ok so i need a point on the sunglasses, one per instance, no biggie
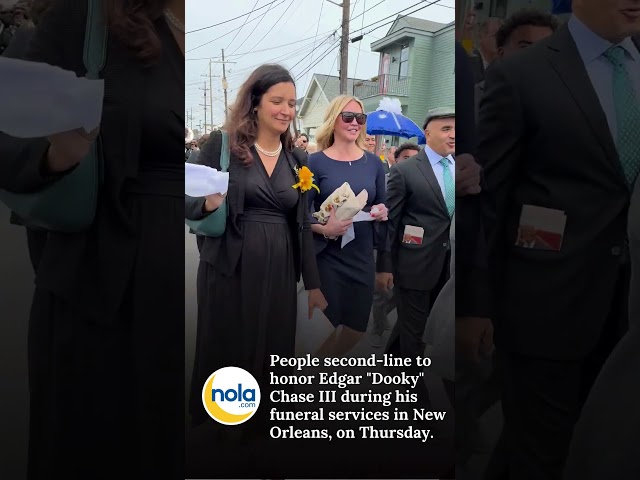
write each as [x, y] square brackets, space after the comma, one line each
[347, 117]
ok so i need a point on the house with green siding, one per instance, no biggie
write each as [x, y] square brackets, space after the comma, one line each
[416, 67]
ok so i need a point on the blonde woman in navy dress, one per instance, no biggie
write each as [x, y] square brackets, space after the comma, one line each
[347, 274]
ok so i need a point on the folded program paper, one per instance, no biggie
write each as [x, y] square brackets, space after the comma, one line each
[359, 217]
[45, 100]
[200, 180]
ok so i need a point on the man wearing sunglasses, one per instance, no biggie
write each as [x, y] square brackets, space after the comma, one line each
[421, 202]
[303, 141]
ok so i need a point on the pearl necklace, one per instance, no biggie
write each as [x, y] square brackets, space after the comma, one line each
[275, 153]
[174, 21]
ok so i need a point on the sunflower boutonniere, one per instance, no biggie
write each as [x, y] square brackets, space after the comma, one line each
[304, 176]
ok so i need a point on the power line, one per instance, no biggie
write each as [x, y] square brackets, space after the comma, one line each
[275, 47]
[325, 53]
[272, 27]
[287, 56]
[231, 31]
[230, 20]
[245, 22]
[317, 28]
[263, 17]
[325, 80]
[399, 16]
[364, 10]
[371, 8]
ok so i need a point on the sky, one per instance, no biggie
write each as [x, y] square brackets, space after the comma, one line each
[284, 32]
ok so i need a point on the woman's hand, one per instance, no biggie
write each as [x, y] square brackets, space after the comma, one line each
[335, 227]
[68, 149]
[213, 202]
[381, 212]
[316, 300]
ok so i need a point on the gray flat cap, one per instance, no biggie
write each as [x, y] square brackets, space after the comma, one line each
[440, 112]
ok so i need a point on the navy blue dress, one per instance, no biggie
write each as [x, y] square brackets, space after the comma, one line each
[347, 274]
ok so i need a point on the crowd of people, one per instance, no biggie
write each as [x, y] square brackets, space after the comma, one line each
[546, 109]
[274, 238]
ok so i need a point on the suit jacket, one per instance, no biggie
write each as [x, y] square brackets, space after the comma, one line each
[70, 263]
[478, 94]
[472, 296]
[414, 198]
[223, 252]
[547, 143]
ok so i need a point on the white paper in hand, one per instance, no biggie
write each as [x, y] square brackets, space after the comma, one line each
[45, 100]
[359, 217]
[200, 180]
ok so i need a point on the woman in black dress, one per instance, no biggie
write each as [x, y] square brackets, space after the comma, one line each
[247, 295]
[106, 331]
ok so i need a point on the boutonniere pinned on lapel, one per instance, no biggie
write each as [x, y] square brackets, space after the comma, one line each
[304, 176]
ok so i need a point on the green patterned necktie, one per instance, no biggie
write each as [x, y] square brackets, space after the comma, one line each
[627, 114]
[449, 187]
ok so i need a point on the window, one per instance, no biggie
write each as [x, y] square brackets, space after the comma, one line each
[404, 62]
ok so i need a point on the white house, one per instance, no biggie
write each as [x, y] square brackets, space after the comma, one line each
[313, 106]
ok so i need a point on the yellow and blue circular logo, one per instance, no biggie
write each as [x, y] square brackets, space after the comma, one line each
[231, 396]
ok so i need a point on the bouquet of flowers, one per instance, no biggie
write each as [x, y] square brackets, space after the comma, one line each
[344, 203]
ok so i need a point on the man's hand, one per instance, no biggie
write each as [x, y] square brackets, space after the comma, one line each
[474, 337]
[467, 175]
[384, 282]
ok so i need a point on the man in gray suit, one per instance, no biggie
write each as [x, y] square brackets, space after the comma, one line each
[558, 135]
[421, 201]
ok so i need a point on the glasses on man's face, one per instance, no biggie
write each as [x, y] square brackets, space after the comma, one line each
[347, 117]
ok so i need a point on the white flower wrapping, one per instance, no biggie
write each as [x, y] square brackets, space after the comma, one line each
[346, 204]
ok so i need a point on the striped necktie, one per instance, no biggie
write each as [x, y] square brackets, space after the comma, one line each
[627, 107]
[449, 187]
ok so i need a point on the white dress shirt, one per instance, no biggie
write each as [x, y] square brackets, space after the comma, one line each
[438, 169]
[591, 48]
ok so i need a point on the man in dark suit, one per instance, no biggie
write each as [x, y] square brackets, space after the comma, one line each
[421, 201]
[555, 135]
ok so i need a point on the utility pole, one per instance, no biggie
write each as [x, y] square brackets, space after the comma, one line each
[344, 44]
[211, 91]
[224, 84]
[224, 87]
[205, 108]
[344, 47]
[191, 118]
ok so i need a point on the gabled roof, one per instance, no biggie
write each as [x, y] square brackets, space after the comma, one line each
[330, 87]
[417, 23]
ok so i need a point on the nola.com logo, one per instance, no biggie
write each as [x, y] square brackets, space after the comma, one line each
[231, 396]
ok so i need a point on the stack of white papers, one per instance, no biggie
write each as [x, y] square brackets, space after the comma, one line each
[39, 100]
[201, 181]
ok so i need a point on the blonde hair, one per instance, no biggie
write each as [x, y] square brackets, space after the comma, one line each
[312, 148]
[324, 135]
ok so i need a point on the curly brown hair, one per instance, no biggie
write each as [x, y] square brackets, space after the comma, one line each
[242, 124]
[132, 21]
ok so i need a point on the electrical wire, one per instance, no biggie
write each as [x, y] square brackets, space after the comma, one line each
[231, 31]
[230, 20]
[245, 22]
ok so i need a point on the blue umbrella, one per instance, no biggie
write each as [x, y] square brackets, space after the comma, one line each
[382, 122]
